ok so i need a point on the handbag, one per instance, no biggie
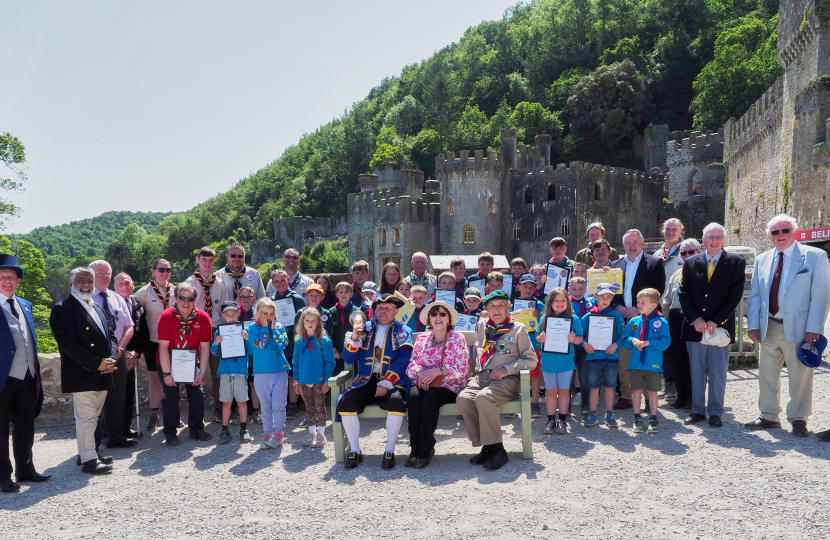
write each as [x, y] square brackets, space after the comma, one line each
[439, 380]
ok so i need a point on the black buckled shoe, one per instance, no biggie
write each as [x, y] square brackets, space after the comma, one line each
[762, 423]
[353, 459]
[482, 457]
[388, 461]
[498, 460]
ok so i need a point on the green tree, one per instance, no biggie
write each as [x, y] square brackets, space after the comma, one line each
[532, 119]
[32, 262]
[12, 155]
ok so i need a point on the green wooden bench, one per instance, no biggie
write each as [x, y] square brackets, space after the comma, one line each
[520, 406]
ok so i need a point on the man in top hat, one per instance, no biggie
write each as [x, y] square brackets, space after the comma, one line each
[788, 299]
[21, 395]
[381, 352]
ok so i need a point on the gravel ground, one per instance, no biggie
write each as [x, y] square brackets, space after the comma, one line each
[686, 482]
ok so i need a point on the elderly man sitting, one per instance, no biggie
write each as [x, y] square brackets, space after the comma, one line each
[503, 348]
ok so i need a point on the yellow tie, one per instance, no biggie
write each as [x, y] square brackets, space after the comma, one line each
[711, 268]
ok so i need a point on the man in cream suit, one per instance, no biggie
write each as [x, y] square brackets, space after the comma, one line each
[788, 301]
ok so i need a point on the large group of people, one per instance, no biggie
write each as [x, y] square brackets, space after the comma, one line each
[670, 324]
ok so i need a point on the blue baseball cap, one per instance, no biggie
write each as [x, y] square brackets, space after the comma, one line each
[810, 353]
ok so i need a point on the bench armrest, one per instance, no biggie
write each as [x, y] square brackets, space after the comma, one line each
[342, 377]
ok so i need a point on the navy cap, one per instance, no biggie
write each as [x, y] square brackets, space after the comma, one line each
[810, 353]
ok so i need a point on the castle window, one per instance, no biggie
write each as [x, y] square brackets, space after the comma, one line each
[371, 244]
[448, 206]
[565, 227]
[539, 256]
[491, 205]
[528, 195]
[697, 183]
[551, 192]
[516, 229]
[597, 192]
[371, 267]
[537, 229]
[396, 236]
[468, 234]
[381, 237]
[358, 244]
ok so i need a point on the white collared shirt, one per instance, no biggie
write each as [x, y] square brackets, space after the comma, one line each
[630, 272]
[788, 255]
[92, 313]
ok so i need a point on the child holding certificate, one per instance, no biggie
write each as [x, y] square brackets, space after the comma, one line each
[603, 355]
[649, 334]
[558, 366]
[527, 288]
[313, 365]
[581, 305]
[446, 282]
[267, 340]
[418, 296]
[233, 378]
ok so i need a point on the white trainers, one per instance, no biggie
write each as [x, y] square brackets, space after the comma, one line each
[318, 441]
[309, 441]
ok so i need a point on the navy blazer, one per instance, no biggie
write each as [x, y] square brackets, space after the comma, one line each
[650, 274]
[7, 349]
[82, 346]
[712, 300]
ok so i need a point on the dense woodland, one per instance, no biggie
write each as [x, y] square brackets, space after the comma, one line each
[591, 73]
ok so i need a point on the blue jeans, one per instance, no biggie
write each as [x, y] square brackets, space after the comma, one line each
[602, 373]
[170, 406]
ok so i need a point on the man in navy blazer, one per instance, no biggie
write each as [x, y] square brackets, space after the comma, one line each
[88, 351]
[640, 271]
[788, 300]
[711, 287]
[21, 394]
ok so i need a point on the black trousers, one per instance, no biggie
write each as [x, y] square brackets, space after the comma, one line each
[113, 412]
[423, 417]
[129, 399]
[18, 401]
[676, 359]
[354, 401]
[170, 407]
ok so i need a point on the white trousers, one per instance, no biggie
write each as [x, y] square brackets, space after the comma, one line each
[87, 406]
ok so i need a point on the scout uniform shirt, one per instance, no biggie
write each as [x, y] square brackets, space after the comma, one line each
[513, 350]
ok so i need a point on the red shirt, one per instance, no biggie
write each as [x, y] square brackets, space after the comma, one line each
[169, 330]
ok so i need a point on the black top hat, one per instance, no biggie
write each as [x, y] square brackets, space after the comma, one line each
[9, 262]
[388, 299]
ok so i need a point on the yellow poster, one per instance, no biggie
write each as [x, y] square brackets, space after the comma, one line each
[614, 277]
[527, 318]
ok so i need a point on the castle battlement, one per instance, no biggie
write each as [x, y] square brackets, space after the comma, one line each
[593, 168]
[762, 117]
[707, 147]
[798, 26]
[448, 163]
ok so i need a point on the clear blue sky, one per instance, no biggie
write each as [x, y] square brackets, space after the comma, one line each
[157, 106]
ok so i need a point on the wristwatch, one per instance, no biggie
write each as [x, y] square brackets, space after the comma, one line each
[165, 373]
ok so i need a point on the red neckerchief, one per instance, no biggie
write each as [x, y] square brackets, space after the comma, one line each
[343, 314]
[582, 304]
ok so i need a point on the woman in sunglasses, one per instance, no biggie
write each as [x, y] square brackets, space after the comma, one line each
[155, 297]
[438, 371]
[676, 357]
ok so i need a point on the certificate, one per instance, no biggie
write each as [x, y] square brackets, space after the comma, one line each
[508, 283]
[558, 278]
[519, 305]
[466, 323]
[285, 312]
[478, 284]
[557, 330]
[405, 312]
[445, 296]
[232, 346]
[614, 277]
[527, 318]
[183, 365]
[600, 332]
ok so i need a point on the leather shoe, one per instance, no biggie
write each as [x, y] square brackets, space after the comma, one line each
[7, 486]
[33, 477]
[106, 460]
[388, 461]
[353, 459]
[694, 418]
[715, 421]
[677, 404]
[622, 404]
[129, 433]
[762, 423]
[424, 461]
[482, 457]
[800, 428]
[126, 443]
[823, 435]
[498, 460]
[410, 462]
[93, 466]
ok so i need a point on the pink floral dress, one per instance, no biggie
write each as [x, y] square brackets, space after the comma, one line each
[456, 360]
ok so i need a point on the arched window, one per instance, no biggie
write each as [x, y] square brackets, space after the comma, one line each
[551, 192]
[491, 205]
[537, 229]
[597, 192]
[697, 182]
[468, 234]
[309, 235]
[371, 244]
[539, 256]
[448, 206]
[396, 236]
[358, 244]
[528, 195]
[516, 229]
[381, 237]
[565, 227]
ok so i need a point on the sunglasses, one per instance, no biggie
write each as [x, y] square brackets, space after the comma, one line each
[440, 314]
[782, 231]
[164, 270]
[189, 299]
[295, 257]
[690, 252]
[235, 256]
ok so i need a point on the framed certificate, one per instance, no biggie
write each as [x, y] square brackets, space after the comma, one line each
[557, 278]
[597, 276]
[285, 312]
[600, 332]
[466, 323]
[557, 330]
[478, 284]
[527, 318]
[232, 346]
[508, 283]
[445, 296]
[183, 365]
[519, 305]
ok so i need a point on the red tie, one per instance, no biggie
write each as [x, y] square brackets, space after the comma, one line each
[776, 284]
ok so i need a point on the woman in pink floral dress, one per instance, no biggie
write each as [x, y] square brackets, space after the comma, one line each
[440, 356]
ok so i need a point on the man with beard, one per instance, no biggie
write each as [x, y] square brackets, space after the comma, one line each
[236, 275]
[88, 350]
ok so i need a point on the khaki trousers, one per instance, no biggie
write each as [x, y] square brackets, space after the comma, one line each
[775, 351]
[479, 404]
[87, 407]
